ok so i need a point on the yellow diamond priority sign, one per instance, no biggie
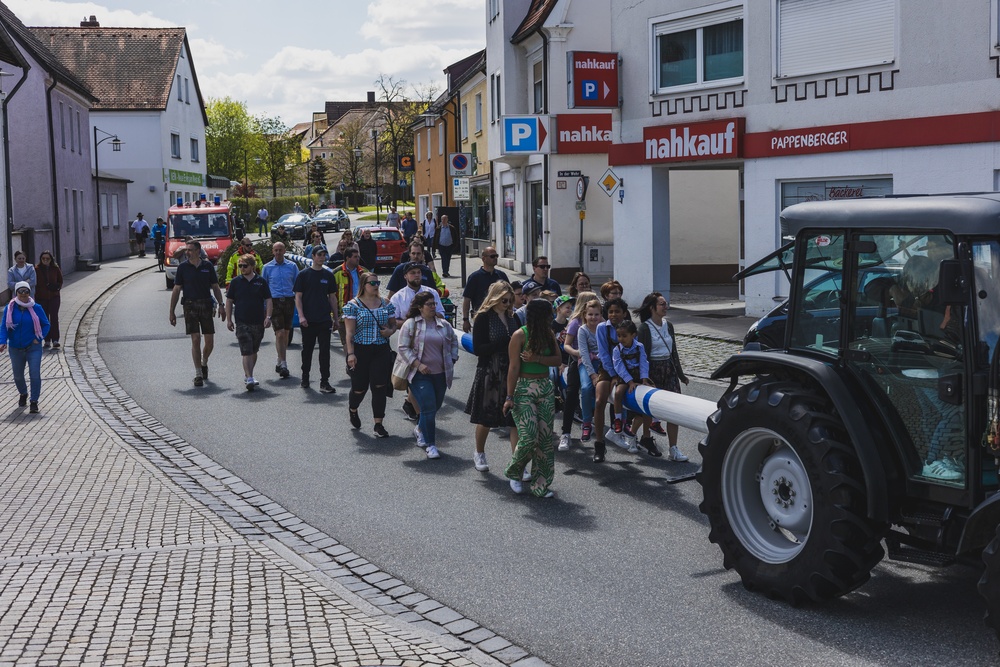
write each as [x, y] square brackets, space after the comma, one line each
[609, 182]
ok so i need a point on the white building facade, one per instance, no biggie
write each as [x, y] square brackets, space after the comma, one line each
[793, 100]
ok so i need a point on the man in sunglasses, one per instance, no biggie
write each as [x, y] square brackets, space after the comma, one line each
[198, 280]
[316, 301]
[478, 284]
[540, 276]
[250, 298]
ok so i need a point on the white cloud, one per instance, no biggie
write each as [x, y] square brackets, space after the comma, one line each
[61, 13]
[422, 23]
[213, 52]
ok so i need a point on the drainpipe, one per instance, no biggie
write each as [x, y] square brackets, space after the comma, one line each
[6, 160]
[547, 233]
[52, 169]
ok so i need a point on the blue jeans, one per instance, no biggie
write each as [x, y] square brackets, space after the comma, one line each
[31, 355]
[588, 395]
[429, 392]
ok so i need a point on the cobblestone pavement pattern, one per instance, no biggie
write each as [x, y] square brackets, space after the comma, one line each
[120, 544]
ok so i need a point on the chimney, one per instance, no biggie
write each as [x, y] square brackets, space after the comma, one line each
[92, 23]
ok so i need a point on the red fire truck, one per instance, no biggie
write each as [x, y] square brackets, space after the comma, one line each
[210, 223]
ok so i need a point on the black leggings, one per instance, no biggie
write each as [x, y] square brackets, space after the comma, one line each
[572, 396]
[371, 370]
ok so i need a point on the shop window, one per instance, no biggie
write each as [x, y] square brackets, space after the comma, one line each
[703, 50]
[796, 192]
[816, 36]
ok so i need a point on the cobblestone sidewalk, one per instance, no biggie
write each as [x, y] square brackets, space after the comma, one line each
[120, 544]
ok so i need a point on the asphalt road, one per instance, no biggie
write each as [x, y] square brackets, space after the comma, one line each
[616, 570]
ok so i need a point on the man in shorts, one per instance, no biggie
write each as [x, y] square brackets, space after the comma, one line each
[280, 274]
[250, 298]
[198, 280]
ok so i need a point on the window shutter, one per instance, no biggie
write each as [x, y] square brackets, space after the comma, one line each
[821, 36]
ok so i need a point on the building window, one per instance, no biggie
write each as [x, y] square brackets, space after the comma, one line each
[537, 96]
[441, 138]
[194, 151]
[62, 124]
[815, 36]
[104, 210]
[180, 90]
[697, 51]
[418, 147]
[465, 122]
[428, 143]
[495, 105]
[115, 219]
[175, 145]
[187, 95]
[79, 136]
[72, 139]
[494, 9]
[479, 113]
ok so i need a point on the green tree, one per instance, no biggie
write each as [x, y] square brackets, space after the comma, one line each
[230, 129]
[319, 174]
[278, 150]
[347, 168]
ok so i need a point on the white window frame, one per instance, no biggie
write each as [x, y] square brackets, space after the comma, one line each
[428, 144]
[465, 121]
[195, 153]
[494, 9]
[838, 62]
[175, 145]
[994, 27]
[702, 17]
[479, 112]
[536, 90]
[418, 146]
[441, 138]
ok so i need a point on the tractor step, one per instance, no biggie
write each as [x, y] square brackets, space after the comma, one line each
[907, 554]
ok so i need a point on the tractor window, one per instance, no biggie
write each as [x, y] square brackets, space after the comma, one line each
[908, 345]
[815, 315]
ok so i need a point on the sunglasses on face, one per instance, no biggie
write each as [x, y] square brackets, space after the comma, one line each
[543, 266]
[245, 266]
[24, 291]
[375, 283]
[493, 256]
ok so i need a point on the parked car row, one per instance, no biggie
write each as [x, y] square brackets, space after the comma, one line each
[326, 220]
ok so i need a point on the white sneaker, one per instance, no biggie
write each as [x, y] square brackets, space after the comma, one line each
[630, 444]
[526, 475]
[419, 436]
[676, 454]
[564, 442]
[432, 452]
[516, 487]
[479, 459]
[618, 439]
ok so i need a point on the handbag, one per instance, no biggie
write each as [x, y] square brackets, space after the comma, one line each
[400, 371]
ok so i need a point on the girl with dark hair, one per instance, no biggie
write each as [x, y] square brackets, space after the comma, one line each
[428, 350]
[47, 294]
[531, 397]
[657, 336]
[579, 388]
[493, 326]
[369, 322]
[579, 284]
[607, 337]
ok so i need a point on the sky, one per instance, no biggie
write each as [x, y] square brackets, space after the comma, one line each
[287, 57]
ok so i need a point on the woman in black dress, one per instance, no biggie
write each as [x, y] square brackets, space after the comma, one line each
[491, 332]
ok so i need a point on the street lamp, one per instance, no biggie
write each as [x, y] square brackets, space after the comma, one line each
[246, 191]
[116, 147]
[378, 200]
[357, 174]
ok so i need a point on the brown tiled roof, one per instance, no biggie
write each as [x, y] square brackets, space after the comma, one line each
[533, 20]
[336, 110]
[40, 52]
[459, 72]
[127, 68]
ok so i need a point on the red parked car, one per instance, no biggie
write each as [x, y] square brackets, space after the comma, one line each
[389, 244]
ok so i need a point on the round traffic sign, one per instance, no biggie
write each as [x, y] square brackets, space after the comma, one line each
[459, 162]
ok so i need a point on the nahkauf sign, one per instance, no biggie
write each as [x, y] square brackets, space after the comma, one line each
[593, 79]
[581, 133]
[710, 140]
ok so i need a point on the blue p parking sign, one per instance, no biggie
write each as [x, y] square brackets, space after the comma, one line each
[525, 134]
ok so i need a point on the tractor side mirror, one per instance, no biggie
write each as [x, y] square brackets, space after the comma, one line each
[952, 286]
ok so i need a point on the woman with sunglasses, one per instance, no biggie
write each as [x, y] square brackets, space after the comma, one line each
[22, 329]
[494, 325]
[369, 322]
[50, 282]
[245, 248]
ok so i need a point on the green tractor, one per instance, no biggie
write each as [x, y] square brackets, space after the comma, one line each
[877, 421]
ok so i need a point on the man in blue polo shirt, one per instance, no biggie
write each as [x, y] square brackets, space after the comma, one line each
[280, 274]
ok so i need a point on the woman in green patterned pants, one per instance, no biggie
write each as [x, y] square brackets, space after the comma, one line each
[533, 349]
